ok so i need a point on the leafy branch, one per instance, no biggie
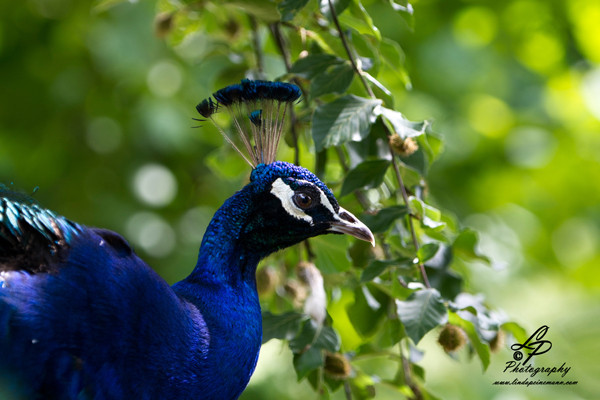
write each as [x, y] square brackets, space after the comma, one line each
[408, 286]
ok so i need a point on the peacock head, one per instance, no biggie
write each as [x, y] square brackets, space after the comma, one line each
[292, 204]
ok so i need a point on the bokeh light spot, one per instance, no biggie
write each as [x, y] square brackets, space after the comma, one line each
[475, 27]
[155, 185]
[530, 147]
[151, 233]
[541, 51]
[103, 135]
[584, 15]
[590, 89]
[489, 116]
[164, 78]
[575, 242]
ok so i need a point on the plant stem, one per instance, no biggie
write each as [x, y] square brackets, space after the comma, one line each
[357, 69]
[287, 59]
[260, 64]
[407, 371]
[410, 216]
[394, 162]
[347, 390]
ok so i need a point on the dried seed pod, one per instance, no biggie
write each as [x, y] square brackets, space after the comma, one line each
[337, 366]
[452, 338]
[266, 280]
[163, 24]
[403, 147]
[497, 342]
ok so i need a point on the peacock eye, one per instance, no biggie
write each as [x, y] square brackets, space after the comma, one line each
[303, 200]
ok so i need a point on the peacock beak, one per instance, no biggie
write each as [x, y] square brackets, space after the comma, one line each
[347, 223]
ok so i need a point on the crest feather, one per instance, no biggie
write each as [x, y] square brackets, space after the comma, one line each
[258, 109]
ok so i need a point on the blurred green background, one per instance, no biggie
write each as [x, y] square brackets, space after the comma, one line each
[96, 110]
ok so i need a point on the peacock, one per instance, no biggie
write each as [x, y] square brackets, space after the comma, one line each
[83, 317]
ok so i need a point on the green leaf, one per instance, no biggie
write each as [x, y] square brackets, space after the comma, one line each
[378, 267]
[305, 362]
[465, 246]
[314, 64]
[380, 90]
[103, 5]
[481, 348]
[429, 216]
[368, 310]
[367, 174]
[289, 8]
[328, 340]
[374, 269]
[330, 251]
[421, 312]
[359, 19]
[401, 125]
[427, 251]
[361, 253]
[516, 330]
[313, 335]
[335, 79]
[283, 326]
[391, 53]
[338, 5]
[345, 119]
[383, 219]
[405, 9]
[305, 338]
[263, 10]
[441, 276]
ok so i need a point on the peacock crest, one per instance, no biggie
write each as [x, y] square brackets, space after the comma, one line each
[258, 109]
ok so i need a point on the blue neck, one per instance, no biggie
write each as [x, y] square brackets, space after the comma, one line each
[222, 287]
[223, 258]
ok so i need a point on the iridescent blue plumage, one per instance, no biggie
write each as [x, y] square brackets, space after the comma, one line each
[83, 317]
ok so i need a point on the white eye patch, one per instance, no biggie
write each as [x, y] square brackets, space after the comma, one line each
[285, 193]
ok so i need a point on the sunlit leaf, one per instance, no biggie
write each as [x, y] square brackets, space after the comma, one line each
[421, 312]
[345, 119]
[359, 19]
[481, 348]
[366, 175]
[430, 216]
[516, 330]
[405, 9]
[391, 52]
[427, 251]
[401, 125]
[465, 246]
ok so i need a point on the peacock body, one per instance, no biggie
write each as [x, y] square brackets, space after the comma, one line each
[83, 317]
